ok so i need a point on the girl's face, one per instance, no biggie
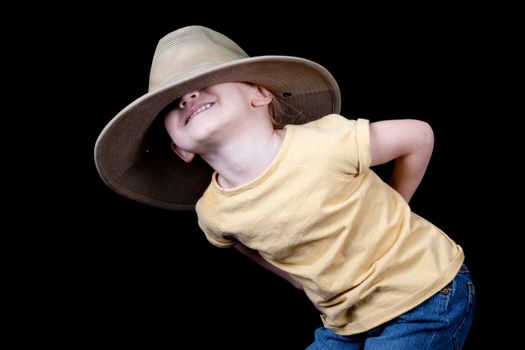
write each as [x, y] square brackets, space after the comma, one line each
[202, 118]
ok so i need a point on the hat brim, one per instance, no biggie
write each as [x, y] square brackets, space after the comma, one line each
[132, 153]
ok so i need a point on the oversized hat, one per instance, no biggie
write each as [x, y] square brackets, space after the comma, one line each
[132, 153]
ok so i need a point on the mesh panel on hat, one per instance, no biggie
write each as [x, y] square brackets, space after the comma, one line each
[198, 36]
[188, 49]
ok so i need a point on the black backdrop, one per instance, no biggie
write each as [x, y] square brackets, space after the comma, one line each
[118, 273]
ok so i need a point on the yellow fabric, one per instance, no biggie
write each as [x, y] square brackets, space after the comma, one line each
[319, 213]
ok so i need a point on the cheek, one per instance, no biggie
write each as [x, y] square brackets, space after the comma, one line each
[171, 124]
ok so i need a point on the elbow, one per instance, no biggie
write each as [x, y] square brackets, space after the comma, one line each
[426, 136]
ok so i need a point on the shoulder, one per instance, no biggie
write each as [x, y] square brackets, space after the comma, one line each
[335, 121]
[330, 120]
[334, 124]
[334, 139]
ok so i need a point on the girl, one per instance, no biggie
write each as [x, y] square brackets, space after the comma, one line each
[286, 180]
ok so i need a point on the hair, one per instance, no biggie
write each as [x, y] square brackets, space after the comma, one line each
[277, 112]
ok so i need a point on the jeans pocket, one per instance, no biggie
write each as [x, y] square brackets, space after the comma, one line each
[434, 309]
[444, 295]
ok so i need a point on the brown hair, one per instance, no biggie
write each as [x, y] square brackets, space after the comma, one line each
[277, 112]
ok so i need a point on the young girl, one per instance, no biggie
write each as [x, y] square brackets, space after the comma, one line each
[287, 181]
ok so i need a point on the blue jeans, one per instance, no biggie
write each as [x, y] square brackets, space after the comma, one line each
[442, 322]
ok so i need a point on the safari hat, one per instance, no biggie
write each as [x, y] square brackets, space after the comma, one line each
[132, 153]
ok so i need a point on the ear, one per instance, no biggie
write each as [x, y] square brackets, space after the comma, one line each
[262, 97]
[184, 155]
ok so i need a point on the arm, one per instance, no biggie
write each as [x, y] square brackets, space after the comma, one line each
[408, 142]
[254, 255]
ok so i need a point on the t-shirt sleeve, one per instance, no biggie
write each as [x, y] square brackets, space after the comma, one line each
[362, 145]
[216, 239]
[208, 218]
[333, 144]
[346, 144]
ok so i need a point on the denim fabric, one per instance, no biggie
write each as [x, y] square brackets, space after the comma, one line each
[442, 322]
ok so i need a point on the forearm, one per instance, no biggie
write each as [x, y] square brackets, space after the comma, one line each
[409, 143]
[409, 171]
[278, 272]
[255, 256]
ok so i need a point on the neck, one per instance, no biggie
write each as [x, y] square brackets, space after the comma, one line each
[242, 158]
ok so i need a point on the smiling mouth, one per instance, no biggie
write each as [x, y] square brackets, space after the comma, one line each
[198, 111]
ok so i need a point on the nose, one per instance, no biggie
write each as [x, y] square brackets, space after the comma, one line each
[187, 97]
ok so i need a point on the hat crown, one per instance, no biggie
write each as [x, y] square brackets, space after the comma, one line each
[189, 50]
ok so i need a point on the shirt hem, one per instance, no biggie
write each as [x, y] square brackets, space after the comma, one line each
[403, 307]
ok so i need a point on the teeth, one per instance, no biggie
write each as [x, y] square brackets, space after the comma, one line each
[203, 108]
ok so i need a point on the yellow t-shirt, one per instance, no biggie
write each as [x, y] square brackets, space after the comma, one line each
[319, 213]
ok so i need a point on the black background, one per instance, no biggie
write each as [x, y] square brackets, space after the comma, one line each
[112, 272]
